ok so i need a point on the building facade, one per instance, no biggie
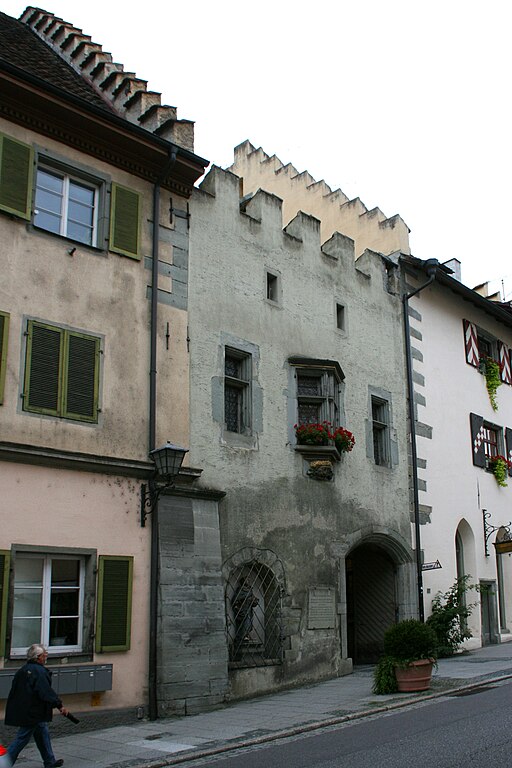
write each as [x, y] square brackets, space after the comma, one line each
[288, 329]
[93, 376]
[456, 334]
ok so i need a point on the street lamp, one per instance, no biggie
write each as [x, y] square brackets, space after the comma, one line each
[168, 460]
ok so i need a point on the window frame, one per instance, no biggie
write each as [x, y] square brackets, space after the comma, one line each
[243, 386]
[273, 287]
[4, 339]
[69, 175]
[61, 410]
[46, 586]
[330, 377]
[380, 431]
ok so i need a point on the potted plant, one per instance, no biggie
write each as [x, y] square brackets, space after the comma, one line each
[344, 440]
[410, 647]
[313, 434]
[499, 466]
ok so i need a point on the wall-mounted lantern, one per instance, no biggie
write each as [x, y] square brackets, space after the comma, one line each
[168, 460]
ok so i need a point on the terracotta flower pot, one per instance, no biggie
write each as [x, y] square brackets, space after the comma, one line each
[415, 677]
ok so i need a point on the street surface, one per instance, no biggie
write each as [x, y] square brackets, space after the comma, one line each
[469, 730]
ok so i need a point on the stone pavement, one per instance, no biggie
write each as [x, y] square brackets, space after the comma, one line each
[176, 740]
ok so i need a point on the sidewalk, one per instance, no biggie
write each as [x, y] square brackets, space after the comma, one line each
[174, 740]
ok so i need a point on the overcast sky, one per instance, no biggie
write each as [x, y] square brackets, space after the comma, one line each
[401, 103]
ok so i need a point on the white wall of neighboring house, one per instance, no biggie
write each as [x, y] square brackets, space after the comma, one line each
[456, 491]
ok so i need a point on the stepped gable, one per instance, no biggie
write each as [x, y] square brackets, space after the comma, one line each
[369, 228]
[107, 83]
[20, 48]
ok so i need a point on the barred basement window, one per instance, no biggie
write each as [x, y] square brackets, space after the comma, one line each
[253, 614]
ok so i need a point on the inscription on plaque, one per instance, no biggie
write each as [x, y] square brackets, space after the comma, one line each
[321, 608]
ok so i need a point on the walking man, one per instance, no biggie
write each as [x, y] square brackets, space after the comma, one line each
[30, 704]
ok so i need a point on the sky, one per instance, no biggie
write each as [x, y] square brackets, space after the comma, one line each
[403, 103]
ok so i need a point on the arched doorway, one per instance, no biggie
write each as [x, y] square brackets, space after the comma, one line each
[372, 604]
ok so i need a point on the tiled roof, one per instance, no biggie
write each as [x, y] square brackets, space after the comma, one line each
[20, 47]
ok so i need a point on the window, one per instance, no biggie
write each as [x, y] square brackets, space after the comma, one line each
[48, 602]
[61, 373]
[4, 334]
[318, 391]
[340, 317]
[54, 601]
[488, 440]
[253, 616]
[66, 206]
[273, 287]
[380, 431]
[237, 390]
[68, 202]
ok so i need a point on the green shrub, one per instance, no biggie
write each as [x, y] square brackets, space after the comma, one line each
[384, 678]
[449, 616]
[410, 640]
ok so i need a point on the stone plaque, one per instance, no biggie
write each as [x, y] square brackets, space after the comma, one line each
[321, 608]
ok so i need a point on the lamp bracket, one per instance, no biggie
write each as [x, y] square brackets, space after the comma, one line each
[490, 529]
[149, 499]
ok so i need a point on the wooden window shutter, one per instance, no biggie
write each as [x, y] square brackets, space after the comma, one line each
[4, 335]
[508, 446]
[42, 374]
[81, 376]
[114, 610]
[16, 171]
[504, 359]
[477, 440]
[125, 222]
[471, 343]
[5, 557]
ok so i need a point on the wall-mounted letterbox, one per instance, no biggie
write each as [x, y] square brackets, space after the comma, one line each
[68, 679]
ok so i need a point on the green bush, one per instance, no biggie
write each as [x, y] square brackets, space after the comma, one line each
[384, 678]
[410, 640]
[449, 616]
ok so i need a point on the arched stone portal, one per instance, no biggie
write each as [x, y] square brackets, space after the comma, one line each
[378, 579]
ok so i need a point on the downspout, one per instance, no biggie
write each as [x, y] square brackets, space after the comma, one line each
[154, 567]
[430, 266]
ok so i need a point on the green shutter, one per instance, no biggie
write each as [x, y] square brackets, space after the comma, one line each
[81, 376]
[125, 222]
[114, 610]
[4, 334]
[42, 372]
[16, 170]
[5, 557]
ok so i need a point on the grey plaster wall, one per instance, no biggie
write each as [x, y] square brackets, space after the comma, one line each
[270, 500]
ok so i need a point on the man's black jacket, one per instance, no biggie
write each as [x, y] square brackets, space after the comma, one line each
[32, 697]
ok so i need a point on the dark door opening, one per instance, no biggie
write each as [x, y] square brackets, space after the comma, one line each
[371, 602]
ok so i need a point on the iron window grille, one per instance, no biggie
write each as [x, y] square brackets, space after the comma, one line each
[254, 616]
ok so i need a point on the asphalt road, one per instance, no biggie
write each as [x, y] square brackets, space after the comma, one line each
[464, 731]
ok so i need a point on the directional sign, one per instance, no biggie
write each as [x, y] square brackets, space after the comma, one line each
[431, 566]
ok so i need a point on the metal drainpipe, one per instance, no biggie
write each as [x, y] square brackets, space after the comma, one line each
[153, 588]
[431, 266]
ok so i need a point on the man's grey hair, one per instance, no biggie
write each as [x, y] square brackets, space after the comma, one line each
[34, 651]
